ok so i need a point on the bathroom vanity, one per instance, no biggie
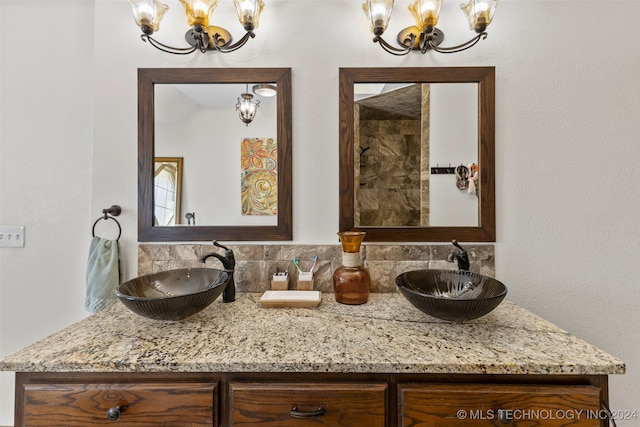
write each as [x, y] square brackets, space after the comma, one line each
[383, 363]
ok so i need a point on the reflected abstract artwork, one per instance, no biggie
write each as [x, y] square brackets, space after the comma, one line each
[259, 177]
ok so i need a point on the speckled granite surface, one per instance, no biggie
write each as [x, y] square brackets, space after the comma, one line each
[386, 335]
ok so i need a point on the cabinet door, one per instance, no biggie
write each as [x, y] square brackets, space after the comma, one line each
[162, 404]
[501, 404]
[307, 404]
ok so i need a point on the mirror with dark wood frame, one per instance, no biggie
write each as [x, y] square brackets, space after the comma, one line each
[148, 79]
[349, 214]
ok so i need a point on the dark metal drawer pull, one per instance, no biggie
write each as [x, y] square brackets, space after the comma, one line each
[113, 413]
[504, 416]
[295, 413]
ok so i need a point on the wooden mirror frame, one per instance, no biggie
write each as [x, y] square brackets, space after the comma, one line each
[485, 78]
[147, 79]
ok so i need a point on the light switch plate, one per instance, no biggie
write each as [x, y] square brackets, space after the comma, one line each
[12, 236]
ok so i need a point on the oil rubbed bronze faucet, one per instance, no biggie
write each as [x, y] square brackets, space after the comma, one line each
[229, 263]
[460, 255]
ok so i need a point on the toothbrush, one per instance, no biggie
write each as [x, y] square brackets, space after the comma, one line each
[315, 259]
[297, 264]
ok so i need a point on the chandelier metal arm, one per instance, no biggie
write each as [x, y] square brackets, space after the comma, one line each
[458, 48]
[168, 49]
[394, 50]
[426, 41]
[235, 46]
[201, 43]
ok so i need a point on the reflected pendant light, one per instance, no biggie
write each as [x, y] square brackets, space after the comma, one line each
[246, 107]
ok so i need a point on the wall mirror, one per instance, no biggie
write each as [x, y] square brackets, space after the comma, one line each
[417, 153]
[235, 180]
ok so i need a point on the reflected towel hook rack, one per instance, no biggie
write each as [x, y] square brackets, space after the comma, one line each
[441, 170]
[109, 213]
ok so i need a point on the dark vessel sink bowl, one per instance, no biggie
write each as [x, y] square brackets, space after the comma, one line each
[452, 295]
[173, 294]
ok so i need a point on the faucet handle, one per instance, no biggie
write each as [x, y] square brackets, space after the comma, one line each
[228, 253]
[457, 245]
[462, 256]
[215, 243]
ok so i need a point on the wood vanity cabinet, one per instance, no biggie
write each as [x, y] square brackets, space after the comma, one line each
[433, 405]
[103, 403]
[308, 404]
[307, 399]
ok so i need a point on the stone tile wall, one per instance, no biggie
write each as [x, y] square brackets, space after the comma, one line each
[256, 264]
[389, 185]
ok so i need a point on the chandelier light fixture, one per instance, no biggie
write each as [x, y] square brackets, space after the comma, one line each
[424, 35]
[246, 107]
[201, 37]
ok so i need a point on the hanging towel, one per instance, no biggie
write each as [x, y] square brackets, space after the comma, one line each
[103, 274]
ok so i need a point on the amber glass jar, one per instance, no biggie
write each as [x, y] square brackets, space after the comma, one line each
[351, 280]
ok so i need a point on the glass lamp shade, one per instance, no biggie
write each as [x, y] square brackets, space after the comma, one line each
[148, 14]
[249, 13]
[379, 14]
[426, 12]
[479, 13]
[199, 11]
[246, 108]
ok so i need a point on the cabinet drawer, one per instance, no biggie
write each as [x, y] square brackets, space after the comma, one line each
[482, 405]
[307, 404]
[158, 404]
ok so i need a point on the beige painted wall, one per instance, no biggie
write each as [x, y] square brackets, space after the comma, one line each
[567, 149]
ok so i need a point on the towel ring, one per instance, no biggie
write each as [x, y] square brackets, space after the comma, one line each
[113, 210]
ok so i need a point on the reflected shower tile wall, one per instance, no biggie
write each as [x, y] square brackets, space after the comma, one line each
[389, 166]
[256, 264]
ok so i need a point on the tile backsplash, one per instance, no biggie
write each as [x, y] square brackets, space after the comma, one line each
[256, 264]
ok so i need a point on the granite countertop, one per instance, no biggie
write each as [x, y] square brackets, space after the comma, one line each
[386, 335]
